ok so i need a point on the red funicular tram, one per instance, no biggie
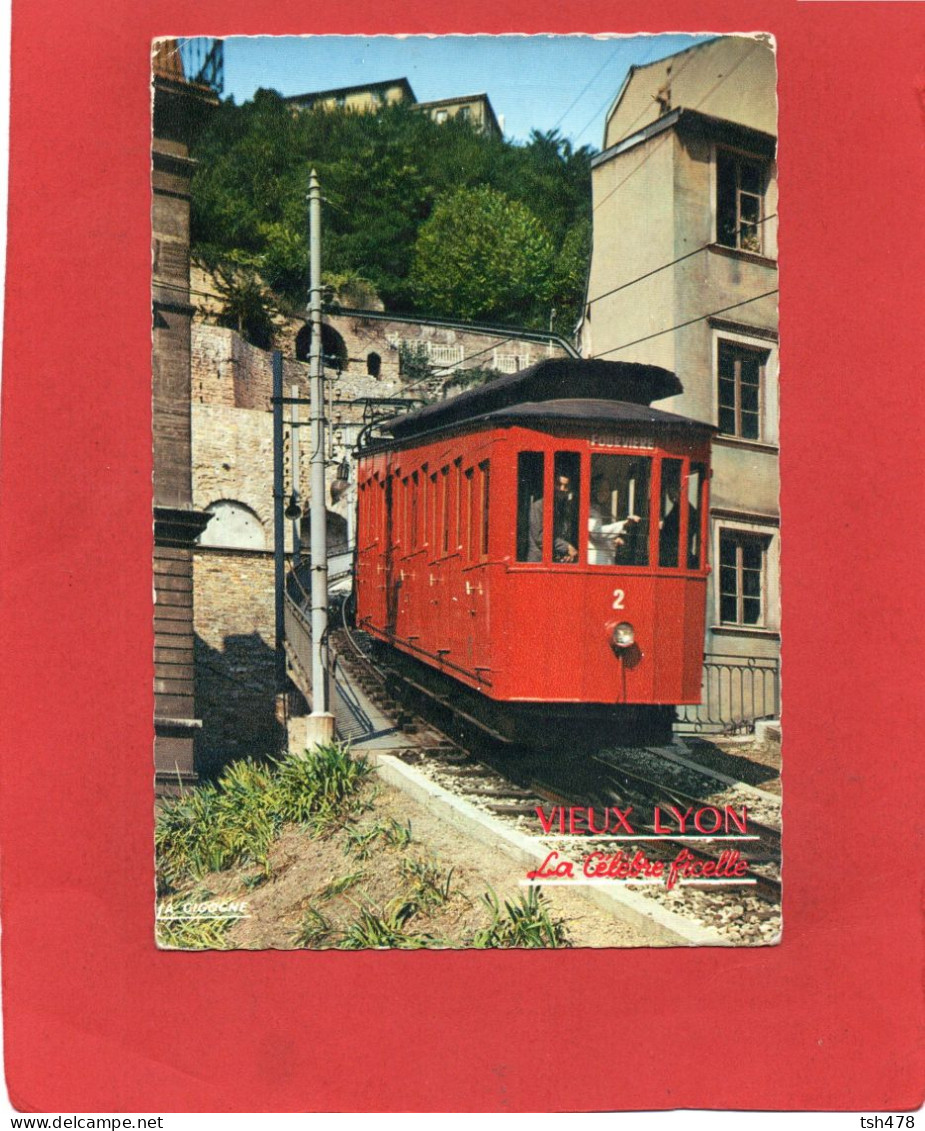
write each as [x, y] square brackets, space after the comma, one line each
[541, 542]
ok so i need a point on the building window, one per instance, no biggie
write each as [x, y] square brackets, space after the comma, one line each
[373, 364]
[740, 186]
[742, 561]
[440, 116]
[465, 113]
[740, 371]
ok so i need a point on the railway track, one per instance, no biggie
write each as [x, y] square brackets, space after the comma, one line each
[512, 784]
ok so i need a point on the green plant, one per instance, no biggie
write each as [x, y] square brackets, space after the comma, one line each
[525, 922]
[340, 885]
[236, 819]
[314, 930]
[414, 362]
[321, 787]
[216, 825]
[385, 928]
[177, 933]
[432, 886]
[362, 840]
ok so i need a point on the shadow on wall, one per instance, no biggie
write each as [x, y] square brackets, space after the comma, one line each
[236, 700]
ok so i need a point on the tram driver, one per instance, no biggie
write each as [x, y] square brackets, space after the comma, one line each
[564, 523]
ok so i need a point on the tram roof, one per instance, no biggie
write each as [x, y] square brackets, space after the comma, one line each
[596, 412]
[565, 380]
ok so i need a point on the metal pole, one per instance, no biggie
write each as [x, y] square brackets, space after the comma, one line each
[279, 527]
[318, 513]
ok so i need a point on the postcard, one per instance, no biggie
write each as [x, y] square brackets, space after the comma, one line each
[530, 370]
[560, 818]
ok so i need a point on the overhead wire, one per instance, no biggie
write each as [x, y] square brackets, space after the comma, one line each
[665, 266]
[689, 322]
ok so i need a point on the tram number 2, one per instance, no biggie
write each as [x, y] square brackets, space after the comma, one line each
[617, 599]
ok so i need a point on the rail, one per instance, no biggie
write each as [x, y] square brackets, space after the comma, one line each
[736, 692]
[352, 721]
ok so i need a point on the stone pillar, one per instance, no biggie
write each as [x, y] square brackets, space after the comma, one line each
[177, 105]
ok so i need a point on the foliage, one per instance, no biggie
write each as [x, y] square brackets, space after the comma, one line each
[431, 886]
[382, 176]
[471, 378]
[482, 256]
[315, 929]
[385, 928]
[193, 934]
[414, 362]
[349, 288]
[248, 305]
[216, 825]
[237, 818]
[321, 787]
[525, 922]
[361, 841]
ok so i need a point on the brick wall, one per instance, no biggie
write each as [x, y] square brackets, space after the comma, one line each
[234, 648]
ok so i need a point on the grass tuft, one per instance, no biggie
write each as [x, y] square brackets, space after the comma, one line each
[236, 819]
[315, 929]
[374, 928]
[431, 886]
[525, 922]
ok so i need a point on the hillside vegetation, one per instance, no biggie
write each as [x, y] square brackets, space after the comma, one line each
[434, 219]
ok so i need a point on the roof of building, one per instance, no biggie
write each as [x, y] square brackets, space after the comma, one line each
[564, 381]
[434, 104]
[698, 79]
[345, 91]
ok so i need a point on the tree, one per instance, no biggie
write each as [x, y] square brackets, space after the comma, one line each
[482, 256]
[383, 175]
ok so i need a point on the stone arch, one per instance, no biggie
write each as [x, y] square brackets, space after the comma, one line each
[233, 526]
[333, 346]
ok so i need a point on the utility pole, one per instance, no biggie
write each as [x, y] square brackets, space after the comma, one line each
[321, 721]
[279, 549]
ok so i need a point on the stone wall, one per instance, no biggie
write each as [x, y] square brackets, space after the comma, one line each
[235, 683]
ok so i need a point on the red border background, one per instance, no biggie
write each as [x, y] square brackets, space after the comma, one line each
[98, 1020]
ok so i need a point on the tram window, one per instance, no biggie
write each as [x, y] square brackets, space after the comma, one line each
[670, 514]
[433, 511]
[458, 495]
[530, 506]
[695, 491]
[423, 498]
[485, 471]
[470, 514]
[413, 541]
[566, 487]
[445, 510]
[618, 515]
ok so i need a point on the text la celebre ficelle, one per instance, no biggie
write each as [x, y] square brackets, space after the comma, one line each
[669, 821]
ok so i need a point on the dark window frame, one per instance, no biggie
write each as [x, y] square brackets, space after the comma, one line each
[734, 416]
[734, 601]
[741, 189]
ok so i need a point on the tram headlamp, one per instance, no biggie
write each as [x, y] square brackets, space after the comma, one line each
[623, 635]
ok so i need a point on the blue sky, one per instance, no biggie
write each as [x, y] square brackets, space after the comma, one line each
[543, 82]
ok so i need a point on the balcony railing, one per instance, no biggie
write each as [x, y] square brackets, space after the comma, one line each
[203, 61]
[736, 692]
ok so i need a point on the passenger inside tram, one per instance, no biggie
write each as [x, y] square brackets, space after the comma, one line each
[604, 531]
